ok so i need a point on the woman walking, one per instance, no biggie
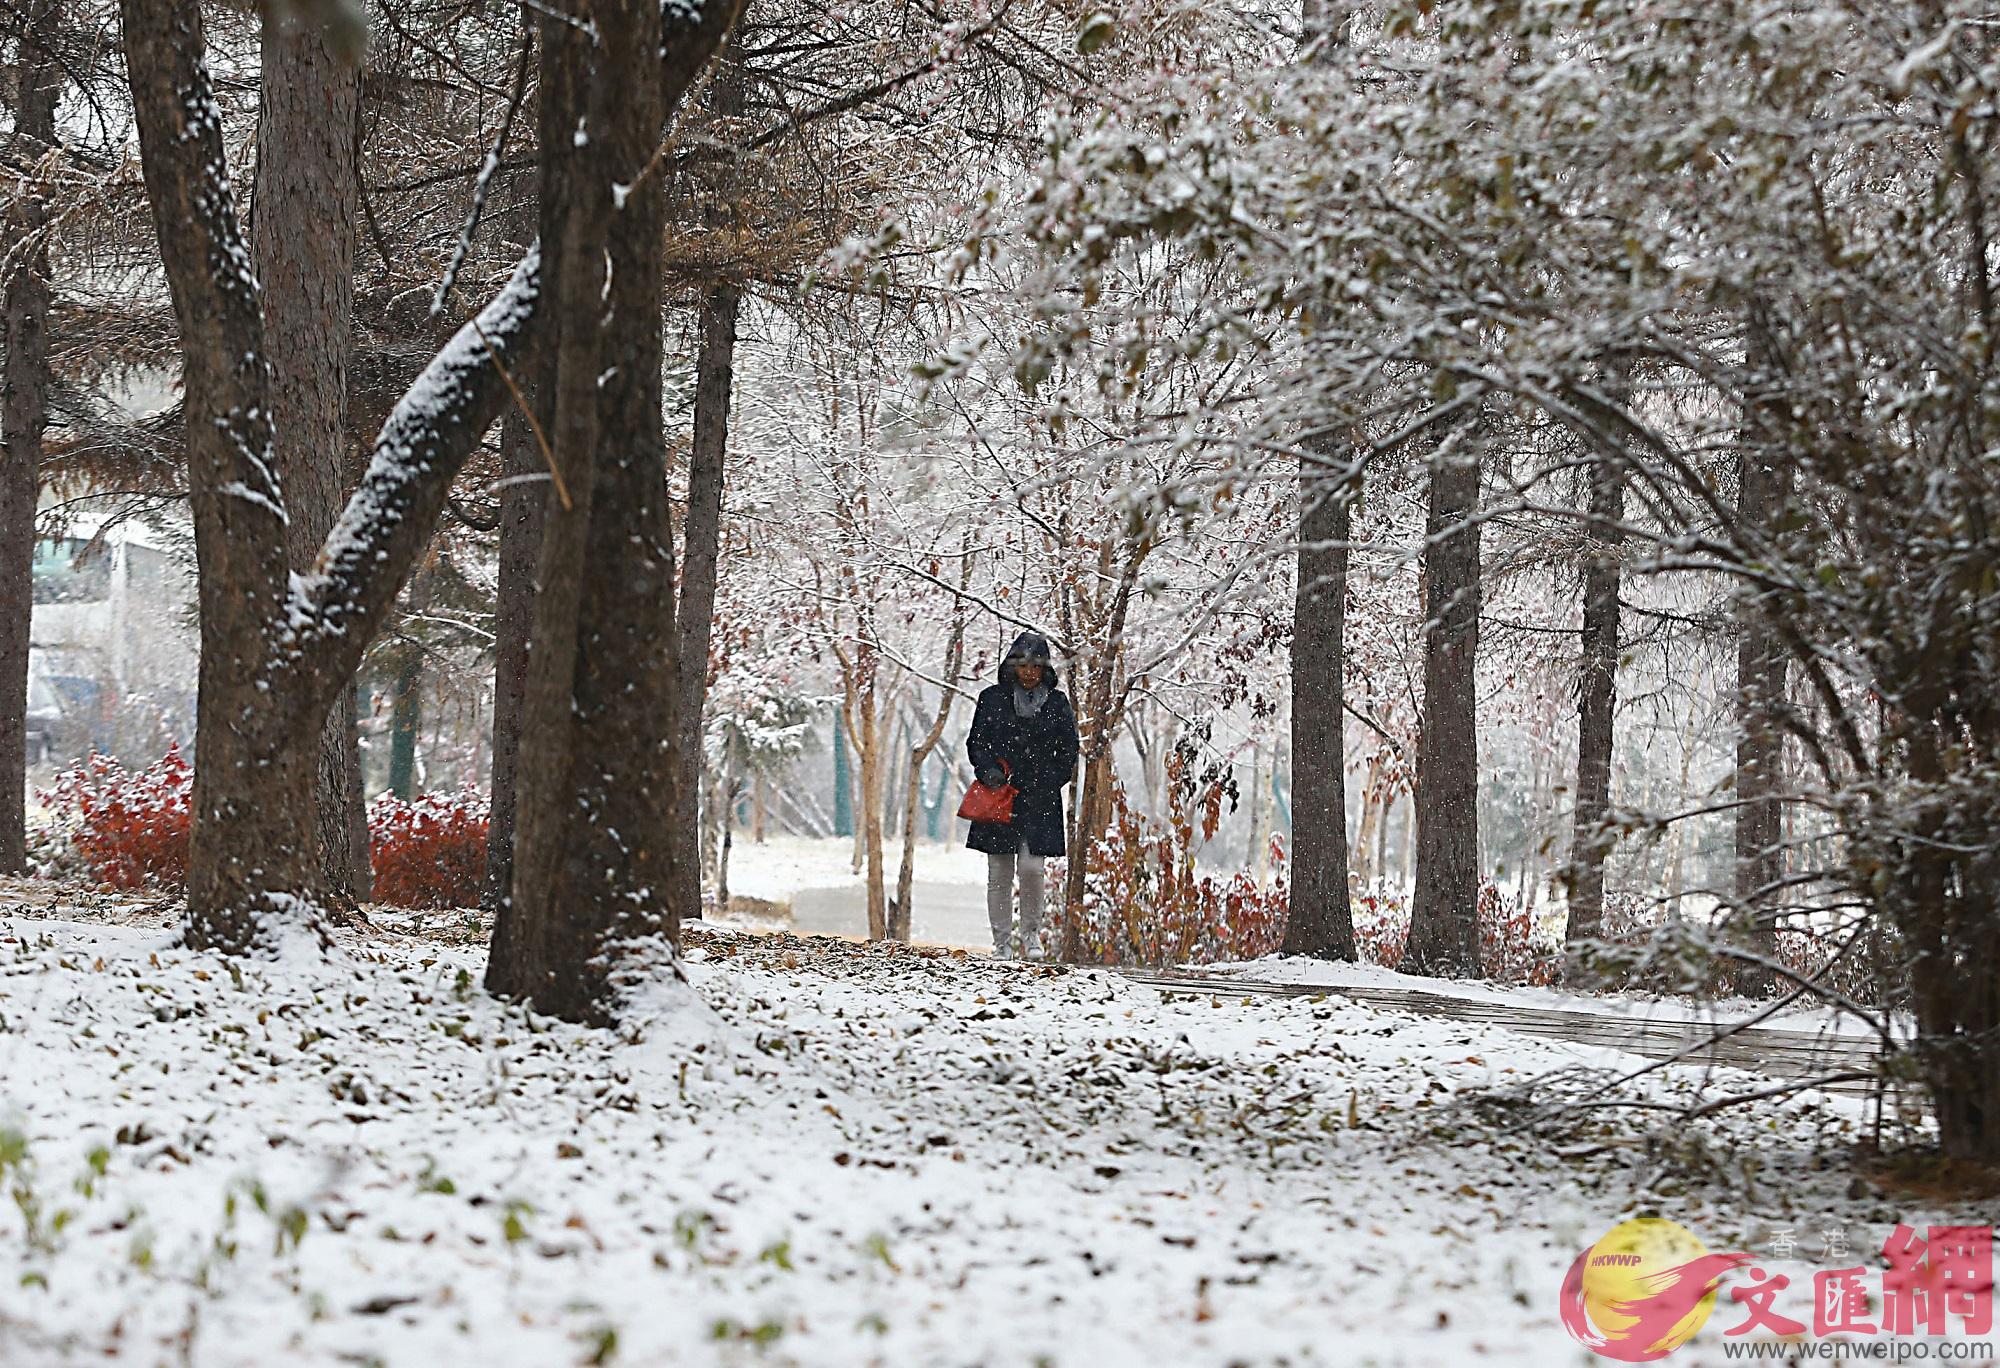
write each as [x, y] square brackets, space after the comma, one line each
[1024, 734]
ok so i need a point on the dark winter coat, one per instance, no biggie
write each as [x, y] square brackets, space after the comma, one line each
[1040, 752]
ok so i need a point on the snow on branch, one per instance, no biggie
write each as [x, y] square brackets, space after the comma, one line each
[691, 32]
[336, 607]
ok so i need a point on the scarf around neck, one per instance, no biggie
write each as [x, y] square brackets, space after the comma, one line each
[1028, 702]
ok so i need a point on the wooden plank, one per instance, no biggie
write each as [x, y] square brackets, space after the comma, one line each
[1773, 1051]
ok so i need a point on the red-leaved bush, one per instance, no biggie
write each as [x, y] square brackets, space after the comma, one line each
[1512, 949]
[1381, 923]
[429, 852]
[1146, 903]
[128, 830]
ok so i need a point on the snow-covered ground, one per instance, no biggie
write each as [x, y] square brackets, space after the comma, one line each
[816, 1153]
[784, 864]
[817, 892]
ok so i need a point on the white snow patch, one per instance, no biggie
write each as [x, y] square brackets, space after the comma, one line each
[842, 1158]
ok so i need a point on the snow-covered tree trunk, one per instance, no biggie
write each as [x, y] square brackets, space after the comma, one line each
[1444, 925]
[23, 415]
[276, 649]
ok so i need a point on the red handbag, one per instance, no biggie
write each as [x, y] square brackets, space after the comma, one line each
[985, 803]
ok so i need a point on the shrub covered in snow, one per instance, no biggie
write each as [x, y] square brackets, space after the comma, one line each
[1381, 922]
[129, 829]
[1866, 963]
[1145, 902]
[1512, 947]
[118, 827]
[429, 851]
[1645, 946]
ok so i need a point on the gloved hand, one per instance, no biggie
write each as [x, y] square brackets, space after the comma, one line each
[992, 776]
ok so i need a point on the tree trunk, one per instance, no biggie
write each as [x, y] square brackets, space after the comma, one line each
[934, 827]
[900, 910]
[595, 862]
[357, 801]
[1101, 713]
[302, 233]
[701, 547]
[406, 705]
[913, 790]
[405, 718]
[1444, 925]
[843, 801]
[576, 222]
[276, 648]
[253, 857]
[857, 820]
[1939, 894]
[1257, 854]
[521, 512]
[714, 821]
[23, 418]
[1760, 689]
[892, 777]
[869, 746]
[1388, 806]
[1321, 923]
[1093, 809]
[1761, 671]
[1540, 798]
[1368, 839]
[701, 533]
[1597, 700]
[1958, 1019]
[1407, 849]
[725, 842]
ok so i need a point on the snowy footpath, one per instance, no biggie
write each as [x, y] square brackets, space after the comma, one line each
[813, 1153]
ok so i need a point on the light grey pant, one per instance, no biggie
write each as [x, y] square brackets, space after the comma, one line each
[1000, 898]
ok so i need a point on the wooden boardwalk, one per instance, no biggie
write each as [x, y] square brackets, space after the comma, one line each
[1775, 1052]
